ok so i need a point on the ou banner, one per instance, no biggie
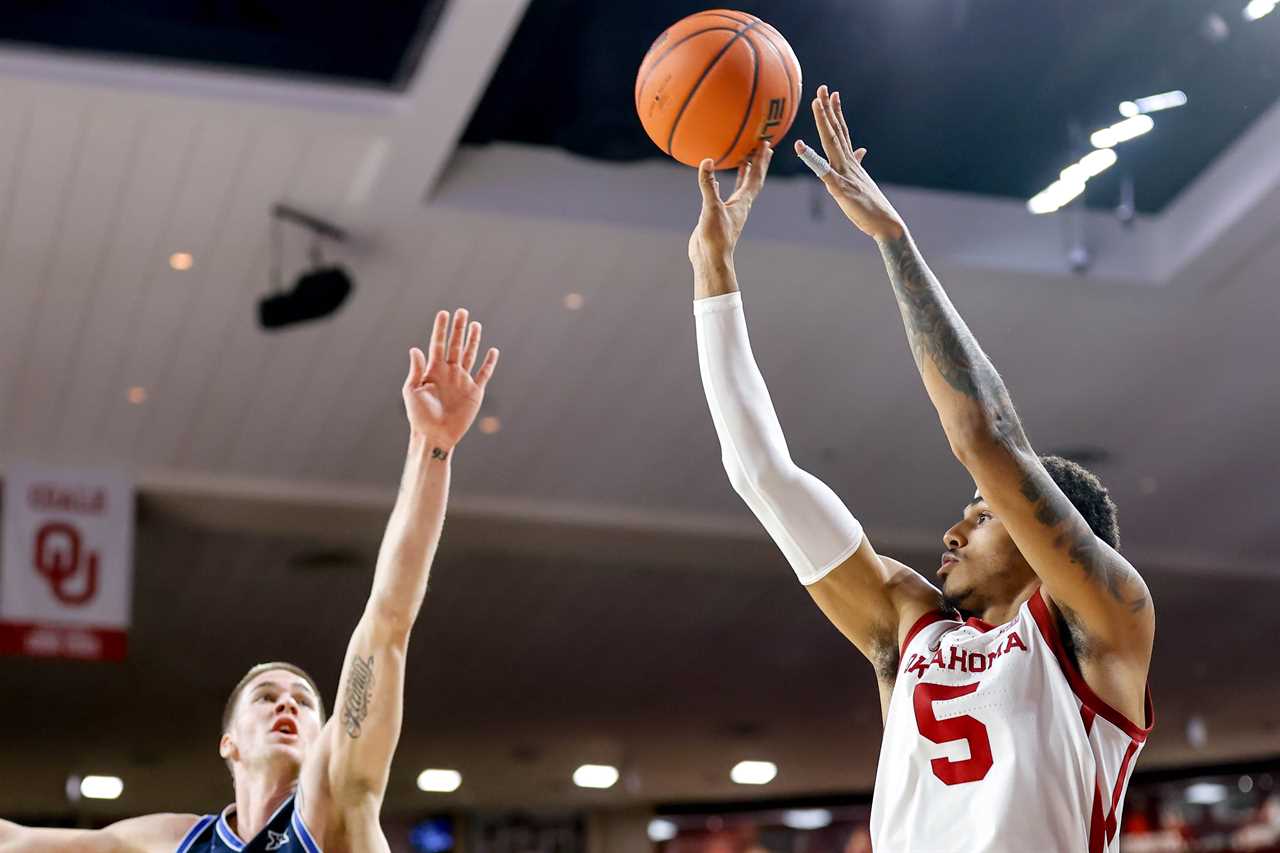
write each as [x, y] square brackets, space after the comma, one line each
[67, 575]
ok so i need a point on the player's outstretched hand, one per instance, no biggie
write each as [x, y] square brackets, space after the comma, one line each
[842, 173]
[441, 397]
[720, 224]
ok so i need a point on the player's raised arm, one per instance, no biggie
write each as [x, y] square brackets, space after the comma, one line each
[350, 770]
[1094, 586]
[871, 600]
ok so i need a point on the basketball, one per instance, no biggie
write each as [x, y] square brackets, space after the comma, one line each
[715, 84]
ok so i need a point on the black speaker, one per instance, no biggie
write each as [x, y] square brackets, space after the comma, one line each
[316, 294]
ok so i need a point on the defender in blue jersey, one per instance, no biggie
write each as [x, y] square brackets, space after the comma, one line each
[303, 785]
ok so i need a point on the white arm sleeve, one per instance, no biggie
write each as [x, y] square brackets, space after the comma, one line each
[814, 529]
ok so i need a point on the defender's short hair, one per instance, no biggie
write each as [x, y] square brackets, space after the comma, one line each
[230, 711]
[1087, 494]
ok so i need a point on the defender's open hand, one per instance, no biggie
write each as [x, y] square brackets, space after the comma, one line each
[440, 396]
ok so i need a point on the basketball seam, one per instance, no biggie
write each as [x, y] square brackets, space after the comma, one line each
[726, 17]
[792, 86]
[644, 80]
[751, 99]
[675, 124]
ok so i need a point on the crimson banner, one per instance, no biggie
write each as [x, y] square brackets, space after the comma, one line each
[67, 576]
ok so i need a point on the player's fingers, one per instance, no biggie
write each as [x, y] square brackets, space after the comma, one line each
[417, 368]
[859, 154]
[827, 132]
[485, 372]
[740, 183]
[473, 347]
[457, 336]
[837, 111]
[708, 183]
[760, 159]
[813, 160]
[439, 334]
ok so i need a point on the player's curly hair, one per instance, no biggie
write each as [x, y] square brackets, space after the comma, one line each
[1087, 494]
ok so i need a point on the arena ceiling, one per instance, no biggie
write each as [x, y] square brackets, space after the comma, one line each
[991, 97]
[601, 591]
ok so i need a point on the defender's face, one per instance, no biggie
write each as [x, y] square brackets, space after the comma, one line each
[277, 718]
[980, 553]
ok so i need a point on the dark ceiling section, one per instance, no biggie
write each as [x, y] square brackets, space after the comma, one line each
[374, 44]
[964, 95]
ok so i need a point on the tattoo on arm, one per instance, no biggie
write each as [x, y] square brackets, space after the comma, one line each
[355, 705]
[935, 329]
[439, 453]
[1078, 540]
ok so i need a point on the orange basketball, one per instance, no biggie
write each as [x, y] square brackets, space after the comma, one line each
[715, 84]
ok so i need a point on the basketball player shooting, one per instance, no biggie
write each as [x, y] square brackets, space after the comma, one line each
[1015, 700]
[303, 784]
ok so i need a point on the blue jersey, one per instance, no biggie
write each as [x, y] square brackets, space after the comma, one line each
[284, 833]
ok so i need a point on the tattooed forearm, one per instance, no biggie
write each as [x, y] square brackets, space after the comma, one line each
[935, 330]
[1082, 547]
[355, 705]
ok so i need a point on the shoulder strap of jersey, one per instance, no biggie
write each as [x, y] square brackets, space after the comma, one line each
[195, 832]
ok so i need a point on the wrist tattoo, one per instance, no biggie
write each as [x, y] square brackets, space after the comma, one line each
[439, 453]
[355, 705]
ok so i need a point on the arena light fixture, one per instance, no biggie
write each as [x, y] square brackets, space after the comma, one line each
[1090, 166]
[1259, 9]
[598, 776]
[662, 830]
[753, 772]
[1056, 196]
[1154, 103]
[101, 787]
[1206, 793]
[439, 781]
[1122, 131]
[806, 818]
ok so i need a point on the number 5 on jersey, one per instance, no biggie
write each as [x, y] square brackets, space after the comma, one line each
[977, 765]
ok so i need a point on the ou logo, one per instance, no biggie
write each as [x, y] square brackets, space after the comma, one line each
[58, 559]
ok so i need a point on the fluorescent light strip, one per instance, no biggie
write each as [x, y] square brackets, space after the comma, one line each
[595, 776]
[1122, 131]
[1155, 103]
[1259, 9]
[439, 781]
[753, 772]
[806, 818]
[101, 787]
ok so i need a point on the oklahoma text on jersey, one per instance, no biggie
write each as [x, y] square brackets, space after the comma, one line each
[994, 742]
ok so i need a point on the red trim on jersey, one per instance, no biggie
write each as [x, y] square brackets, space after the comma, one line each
[975, 622]
[1087, 714]
[920, 624]
[1097, 828]
[1049, 630]
[1119, 788]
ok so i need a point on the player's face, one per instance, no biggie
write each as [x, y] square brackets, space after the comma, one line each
[277, 718]
[980, 559]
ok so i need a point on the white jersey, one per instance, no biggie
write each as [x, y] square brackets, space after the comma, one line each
[993, 742]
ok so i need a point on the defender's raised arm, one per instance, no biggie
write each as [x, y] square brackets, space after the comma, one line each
[352, 761]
